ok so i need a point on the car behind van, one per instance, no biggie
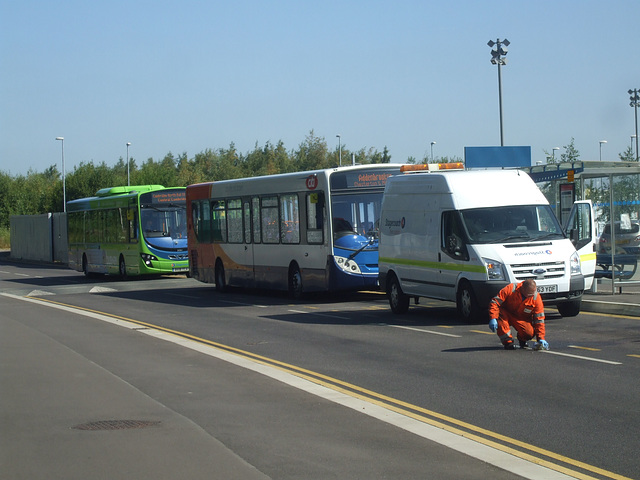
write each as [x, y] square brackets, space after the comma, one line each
[463, 235]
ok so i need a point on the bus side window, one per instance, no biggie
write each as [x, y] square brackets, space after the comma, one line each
[132, 216]
[246, 212]
[204, 221]
[270, 223]
[315, 217]
[195, 216]
[255, 210]
[289, 218]
[218, 222]
[234, 221]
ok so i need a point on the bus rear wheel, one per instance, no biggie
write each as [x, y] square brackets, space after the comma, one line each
[85, 265]
[295, 282]
[221, 284]
[122, 269]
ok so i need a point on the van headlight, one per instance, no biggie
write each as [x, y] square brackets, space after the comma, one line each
[495, 270]
[347, 265]
[574, 264]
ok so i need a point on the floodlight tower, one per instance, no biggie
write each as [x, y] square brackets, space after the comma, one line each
[64, 185]
[497, 58]
[635, 103]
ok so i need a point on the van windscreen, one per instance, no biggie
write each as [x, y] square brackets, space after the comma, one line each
[513, 223]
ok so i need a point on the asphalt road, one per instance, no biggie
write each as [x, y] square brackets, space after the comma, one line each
[576, 406]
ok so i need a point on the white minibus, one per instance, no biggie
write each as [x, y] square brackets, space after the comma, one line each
[462, 235]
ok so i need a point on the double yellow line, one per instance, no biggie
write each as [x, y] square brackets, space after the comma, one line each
[522, 450]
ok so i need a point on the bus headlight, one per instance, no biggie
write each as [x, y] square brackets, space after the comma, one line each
[347, 265]
[495, 270]
[574, 264]
[147, 258]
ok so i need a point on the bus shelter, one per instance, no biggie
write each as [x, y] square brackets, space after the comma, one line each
[614, 190]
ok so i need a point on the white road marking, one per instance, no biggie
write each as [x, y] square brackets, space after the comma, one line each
[426, 331]
[581, 357]
[499, 458]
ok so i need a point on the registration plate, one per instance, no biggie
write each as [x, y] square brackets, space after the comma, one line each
[185, 269]
[547, 288]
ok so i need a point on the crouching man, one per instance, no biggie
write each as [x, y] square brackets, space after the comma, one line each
[518, 306]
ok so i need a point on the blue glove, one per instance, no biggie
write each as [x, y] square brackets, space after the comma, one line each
[493, 325]
[543, 345]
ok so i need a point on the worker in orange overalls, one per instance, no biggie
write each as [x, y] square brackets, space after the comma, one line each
[518, 306]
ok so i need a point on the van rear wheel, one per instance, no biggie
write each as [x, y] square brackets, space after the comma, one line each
[468, 306]
[398, 300]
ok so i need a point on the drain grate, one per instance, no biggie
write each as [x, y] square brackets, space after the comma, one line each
[115, 425]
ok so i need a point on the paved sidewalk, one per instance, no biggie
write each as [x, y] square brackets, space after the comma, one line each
[83, 399]
[625, 300]
[65, 417]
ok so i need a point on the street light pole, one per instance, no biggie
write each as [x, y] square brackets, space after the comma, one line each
[64, 186]
[339, 149]
[554, 153]
[635, 102]
[497, 58]
[601, 142]
[128, 145]
[432, 144]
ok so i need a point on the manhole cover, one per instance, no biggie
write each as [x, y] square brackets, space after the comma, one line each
[115, 425]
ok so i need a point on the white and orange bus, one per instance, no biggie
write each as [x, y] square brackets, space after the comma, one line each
[301, 232]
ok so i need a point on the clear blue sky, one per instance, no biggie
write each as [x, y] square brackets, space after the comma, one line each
[186, 76]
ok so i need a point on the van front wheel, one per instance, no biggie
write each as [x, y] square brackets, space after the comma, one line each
[569, 309]
[398, 301]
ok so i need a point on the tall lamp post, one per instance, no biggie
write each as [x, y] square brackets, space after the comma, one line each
[64, 186]
[553, 155]
[497, 58]
[601, 142]
[432, 144]
[128, 145]
[631, 145]
[635, 103]
[339, 149]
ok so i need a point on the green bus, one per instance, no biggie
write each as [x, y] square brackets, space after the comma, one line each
[132, 230]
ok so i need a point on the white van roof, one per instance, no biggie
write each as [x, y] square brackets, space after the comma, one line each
[471, 188]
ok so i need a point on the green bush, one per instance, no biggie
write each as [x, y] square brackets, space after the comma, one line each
[5, 241]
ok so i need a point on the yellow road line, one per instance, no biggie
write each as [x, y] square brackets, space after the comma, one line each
[585, 348]
[395, 405]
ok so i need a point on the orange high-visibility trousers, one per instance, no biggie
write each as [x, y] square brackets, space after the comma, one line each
[523, 327]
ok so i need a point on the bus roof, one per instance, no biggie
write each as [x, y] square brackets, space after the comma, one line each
[112, 197]
[236, 185]
[109, 191]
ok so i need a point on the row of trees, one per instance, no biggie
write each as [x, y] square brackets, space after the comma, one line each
[42, 192]
[38, 193]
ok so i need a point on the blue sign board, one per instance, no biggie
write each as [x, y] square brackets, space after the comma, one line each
[497, 157]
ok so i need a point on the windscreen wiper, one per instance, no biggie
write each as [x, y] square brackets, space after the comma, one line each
[351, 257]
